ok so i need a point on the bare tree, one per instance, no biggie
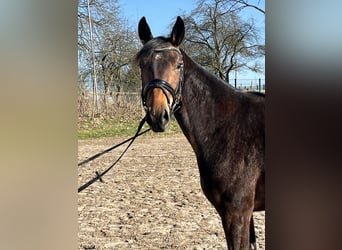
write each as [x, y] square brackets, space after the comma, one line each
[220, 40]
[114, 44]
[240, 4]
[94, 18]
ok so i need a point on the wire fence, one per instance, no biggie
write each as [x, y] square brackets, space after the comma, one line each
[248, 84]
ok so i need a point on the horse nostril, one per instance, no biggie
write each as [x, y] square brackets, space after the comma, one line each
[165, 117]
[148, 118]
[158, 121]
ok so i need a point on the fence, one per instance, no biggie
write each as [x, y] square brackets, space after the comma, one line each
[127, 105]
[118, 105]
[248, 84]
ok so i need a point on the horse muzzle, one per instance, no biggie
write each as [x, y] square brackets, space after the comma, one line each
[158, 121]
[158, 117]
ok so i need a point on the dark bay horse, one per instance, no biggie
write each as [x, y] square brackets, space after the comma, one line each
[225, 127]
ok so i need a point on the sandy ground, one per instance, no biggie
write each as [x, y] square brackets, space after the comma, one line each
[152, 199]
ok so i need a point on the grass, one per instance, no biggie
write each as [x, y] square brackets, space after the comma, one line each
[91, 129]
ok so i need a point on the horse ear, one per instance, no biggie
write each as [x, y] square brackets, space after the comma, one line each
[144, 30]
[177, 34]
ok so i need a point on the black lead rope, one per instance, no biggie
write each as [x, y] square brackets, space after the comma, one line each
[110, 149]
[100, 175]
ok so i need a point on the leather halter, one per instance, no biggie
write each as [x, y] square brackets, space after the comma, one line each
[165, 87]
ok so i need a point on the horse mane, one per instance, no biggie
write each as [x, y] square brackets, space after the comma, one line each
[205, 78]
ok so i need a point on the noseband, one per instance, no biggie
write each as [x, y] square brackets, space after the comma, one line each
[165, 87]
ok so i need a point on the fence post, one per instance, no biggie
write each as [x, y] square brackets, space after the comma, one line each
[235, 80]
[259, 84]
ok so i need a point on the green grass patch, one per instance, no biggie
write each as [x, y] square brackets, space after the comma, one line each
[108, 128]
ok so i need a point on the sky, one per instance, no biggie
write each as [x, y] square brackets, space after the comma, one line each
[161, 13]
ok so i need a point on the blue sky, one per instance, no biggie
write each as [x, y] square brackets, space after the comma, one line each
[161, 13]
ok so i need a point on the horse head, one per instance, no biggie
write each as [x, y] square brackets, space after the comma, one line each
[161, 65]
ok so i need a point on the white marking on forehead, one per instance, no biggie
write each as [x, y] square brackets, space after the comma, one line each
[158, 56]
[168, 48]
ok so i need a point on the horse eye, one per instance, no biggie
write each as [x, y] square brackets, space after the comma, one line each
[179, 65]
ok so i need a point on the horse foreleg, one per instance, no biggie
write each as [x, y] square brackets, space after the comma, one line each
[237, 230]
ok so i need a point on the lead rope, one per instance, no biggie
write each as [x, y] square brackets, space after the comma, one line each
[100, 175]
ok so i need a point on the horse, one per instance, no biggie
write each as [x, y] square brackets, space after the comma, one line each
[225, 127]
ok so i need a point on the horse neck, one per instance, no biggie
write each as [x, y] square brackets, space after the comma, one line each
[202, 95]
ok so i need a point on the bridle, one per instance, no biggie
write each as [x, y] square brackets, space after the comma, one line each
[165, 87]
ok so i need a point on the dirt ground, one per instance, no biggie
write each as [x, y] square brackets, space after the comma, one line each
[152, 199]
